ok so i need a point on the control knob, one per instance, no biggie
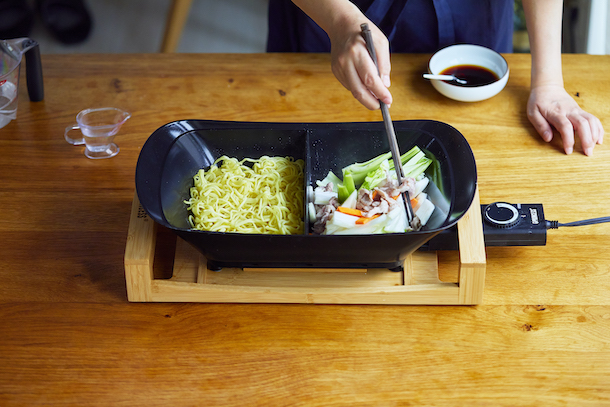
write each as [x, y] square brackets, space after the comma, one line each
[501, 215]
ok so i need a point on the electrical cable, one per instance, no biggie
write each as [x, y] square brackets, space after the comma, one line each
[554, 224]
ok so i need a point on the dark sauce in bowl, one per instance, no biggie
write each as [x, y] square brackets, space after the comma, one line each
[474, 75]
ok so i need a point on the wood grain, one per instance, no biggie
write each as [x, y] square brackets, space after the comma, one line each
[68, 335]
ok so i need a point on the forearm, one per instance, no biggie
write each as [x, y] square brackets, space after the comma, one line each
[333, 16]
[544, 20]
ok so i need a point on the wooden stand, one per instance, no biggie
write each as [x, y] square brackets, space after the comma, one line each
[192, 281]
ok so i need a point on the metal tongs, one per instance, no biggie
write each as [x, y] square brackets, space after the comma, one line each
[389, 126]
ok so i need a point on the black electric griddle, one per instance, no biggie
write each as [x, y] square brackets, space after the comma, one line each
[174, 153]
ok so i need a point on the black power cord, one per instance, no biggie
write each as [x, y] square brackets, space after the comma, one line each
[554, 224]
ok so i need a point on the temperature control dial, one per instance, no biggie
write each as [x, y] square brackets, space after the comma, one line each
[501, 215]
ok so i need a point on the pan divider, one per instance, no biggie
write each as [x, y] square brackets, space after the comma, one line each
[192, 281]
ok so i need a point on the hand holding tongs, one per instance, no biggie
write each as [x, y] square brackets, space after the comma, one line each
[389, 126]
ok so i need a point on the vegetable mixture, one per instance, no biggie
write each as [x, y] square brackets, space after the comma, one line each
[369, 198]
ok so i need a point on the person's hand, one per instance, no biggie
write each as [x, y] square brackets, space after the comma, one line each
[550, 106]
[354, 67]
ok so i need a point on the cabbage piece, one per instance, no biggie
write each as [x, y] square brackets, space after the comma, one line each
[330, 177]
[322, 197]
[342, 220]
[397, 220]
[425, 211]
[374, 226]
[375, 177]
[414, 163]
[421, 185]
[351, 200]
[360, 170]
[311, 209]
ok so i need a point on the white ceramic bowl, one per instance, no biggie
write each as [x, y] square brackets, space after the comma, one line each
[467, 54]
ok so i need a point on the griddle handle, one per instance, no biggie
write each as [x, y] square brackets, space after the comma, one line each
[33, 73]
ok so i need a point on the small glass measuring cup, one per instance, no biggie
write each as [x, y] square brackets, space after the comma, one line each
[98, 127]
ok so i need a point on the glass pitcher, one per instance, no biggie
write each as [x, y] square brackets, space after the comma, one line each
[11, 52]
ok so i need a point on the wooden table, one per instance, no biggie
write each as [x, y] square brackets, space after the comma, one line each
[68, 335]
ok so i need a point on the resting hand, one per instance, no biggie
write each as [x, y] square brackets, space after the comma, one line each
[550, 106]
[354, 67]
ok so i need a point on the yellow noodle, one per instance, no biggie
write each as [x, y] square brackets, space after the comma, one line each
[266, 197]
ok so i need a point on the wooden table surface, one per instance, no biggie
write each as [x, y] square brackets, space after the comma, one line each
[68, 335]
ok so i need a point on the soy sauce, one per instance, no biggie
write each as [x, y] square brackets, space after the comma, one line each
[474, 75]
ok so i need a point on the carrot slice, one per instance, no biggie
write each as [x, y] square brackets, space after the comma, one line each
[413, 201]
[363, 220]
[349, 211]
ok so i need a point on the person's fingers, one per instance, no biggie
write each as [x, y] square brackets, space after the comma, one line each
[543, 127]
[600, 130]
[582, 127]
[589, 128]
[597, 130]
[566, 130]
[364, 96]
[351, 80]
[383, 59]
[372, 81]
[373, 75]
